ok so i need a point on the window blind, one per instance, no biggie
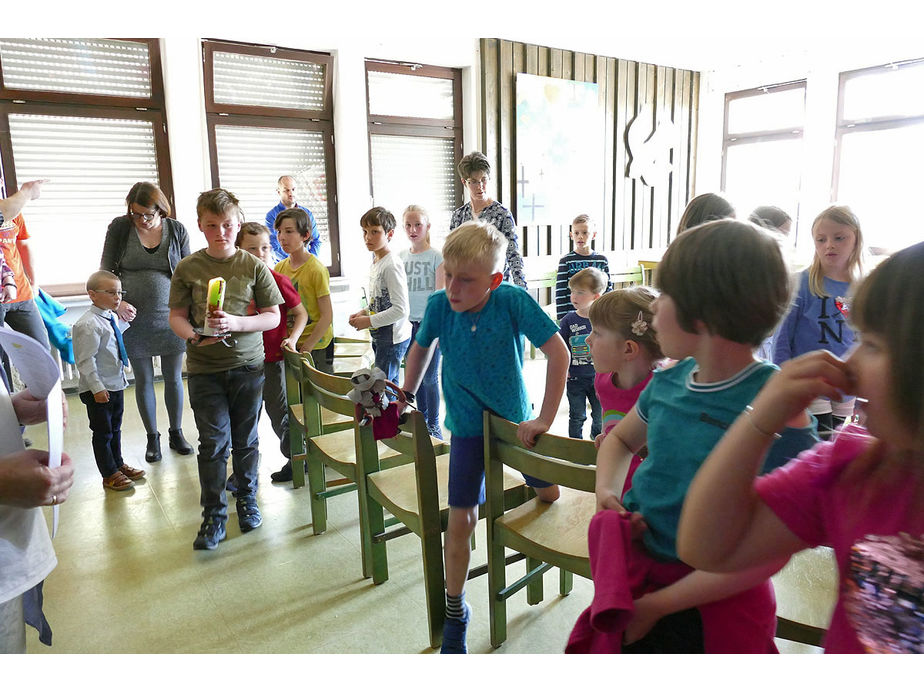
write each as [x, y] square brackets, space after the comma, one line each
[85, 66]
[255, 80]
[92, 164]
[415, 96]
[415, 170]
[251, 159]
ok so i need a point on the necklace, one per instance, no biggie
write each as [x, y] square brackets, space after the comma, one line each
[475, 321]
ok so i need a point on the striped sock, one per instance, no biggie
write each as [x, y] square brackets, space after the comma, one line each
[454, 606]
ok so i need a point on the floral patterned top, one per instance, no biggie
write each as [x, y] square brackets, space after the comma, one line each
[501, 218]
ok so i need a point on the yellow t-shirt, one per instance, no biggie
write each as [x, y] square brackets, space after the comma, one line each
[311, 280]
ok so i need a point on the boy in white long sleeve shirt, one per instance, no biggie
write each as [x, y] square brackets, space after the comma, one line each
[101, 359]
[389, 307]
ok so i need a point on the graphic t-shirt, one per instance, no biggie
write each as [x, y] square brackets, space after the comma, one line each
[12, 230]
[420, 269]
[574, 330]
[871, 517]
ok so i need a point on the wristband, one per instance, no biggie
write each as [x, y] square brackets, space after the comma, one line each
[194, 340]
[749, 411]
[411, 397]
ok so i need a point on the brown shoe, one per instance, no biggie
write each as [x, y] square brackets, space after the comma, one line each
[118, 482]
[131, 472]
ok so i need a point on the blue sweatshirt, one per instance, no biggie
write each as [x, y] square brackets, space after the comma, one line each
[815, 323]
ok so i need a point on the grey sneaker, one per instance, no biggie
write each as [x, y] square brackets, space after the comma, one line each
[211, 532]
[248, 514]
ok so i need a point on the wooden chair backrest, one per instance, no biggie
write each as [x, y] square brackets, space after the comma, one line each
[631, 275]
[565, 461]
[328, 391]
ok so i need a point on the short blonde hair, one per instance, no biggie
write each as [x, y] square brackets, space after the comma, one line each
[97, 278]
[620, 309]
[582, 219]
[476, 242]
[590, 279]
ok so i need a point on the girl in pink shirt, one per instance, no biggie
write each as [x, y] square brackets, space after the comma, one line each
[625, 351]
[862, 493]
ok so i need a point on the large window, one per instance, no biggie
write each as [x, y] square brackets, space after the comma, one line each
[880, 147]
[269, 114]
[762, 149]
[415, 139]
[89, 115]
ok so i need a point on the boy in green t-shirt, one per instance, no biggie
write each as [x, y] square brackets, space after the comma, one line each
[225, 372]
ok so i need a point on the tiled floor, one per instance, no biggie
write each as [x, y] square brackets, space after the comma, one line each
[129, 581]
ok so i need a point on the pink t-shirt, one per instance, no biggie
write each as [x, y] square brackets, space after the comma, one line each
[877, 535]
[616, 403]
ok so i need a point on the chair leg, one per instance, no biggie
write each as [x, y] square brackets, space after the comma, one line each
[534, 588]
[316, 484]
[565, 582]
[497, 580]
[434, 584]
[371, 523]
[297, 457]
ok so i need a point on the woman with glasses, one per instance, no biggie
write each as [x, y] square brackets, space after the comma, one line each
[143, 248]
[475, 171]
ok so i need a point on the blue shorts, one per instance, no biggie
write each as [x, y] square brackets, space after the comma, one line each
[466, 472]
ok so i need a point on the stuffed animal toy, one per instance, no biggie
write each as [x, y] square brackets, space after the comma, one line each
[369, 393]
[372, 406]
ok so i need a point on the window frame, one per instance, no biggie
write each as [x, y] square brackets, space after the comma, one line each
[735, 139]
[276, 118]
[408, 126]
[844, 126]
[41, 102]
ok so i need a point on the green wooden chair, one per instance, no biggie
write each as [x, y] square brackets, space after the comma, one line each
[649, 268]
[416, 496]
[627, 277]
[329, 421]
[548, 534]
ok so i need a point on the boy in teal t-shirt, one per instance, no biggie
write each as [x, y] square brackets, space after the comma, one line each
[481, 323]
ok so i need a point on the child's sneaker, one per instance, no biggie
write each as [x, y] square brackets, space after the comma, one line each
[454, 632]
[118, 482]
[131, 472]
[210, 534]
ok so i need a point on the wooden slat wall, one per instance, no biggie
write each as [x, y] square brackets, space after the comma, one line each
[637, 218]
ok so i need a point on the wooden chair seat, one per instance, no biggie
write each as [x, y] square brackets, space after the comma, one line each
[340, 447]
[552, 532]
[396, 488]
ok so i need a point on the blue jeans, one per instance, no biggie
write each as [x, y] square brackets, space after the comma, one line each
[428, 394]
[226, 406]
[580, 390]
[388, 357]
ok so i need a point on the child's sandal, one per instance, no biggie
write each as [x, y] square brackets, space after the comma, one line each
[118, 482]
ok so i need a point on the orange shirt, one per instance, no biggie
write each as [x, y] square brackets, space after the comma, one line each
[11, 231]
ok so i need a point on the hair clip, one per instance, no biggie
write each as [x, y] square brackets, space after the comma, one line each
[639, 327]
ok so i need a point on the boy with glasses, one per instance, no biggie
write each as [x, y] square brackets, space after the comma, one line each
[101, 359]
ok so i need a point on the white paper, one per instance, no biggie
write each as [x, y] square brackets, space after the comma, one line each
[55, 439]
[38, 370]
[41, 375]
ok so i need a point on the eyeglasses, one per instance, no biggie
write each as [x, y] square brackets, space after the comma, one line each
[111, 292]
[147, 216]
[472, 183]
